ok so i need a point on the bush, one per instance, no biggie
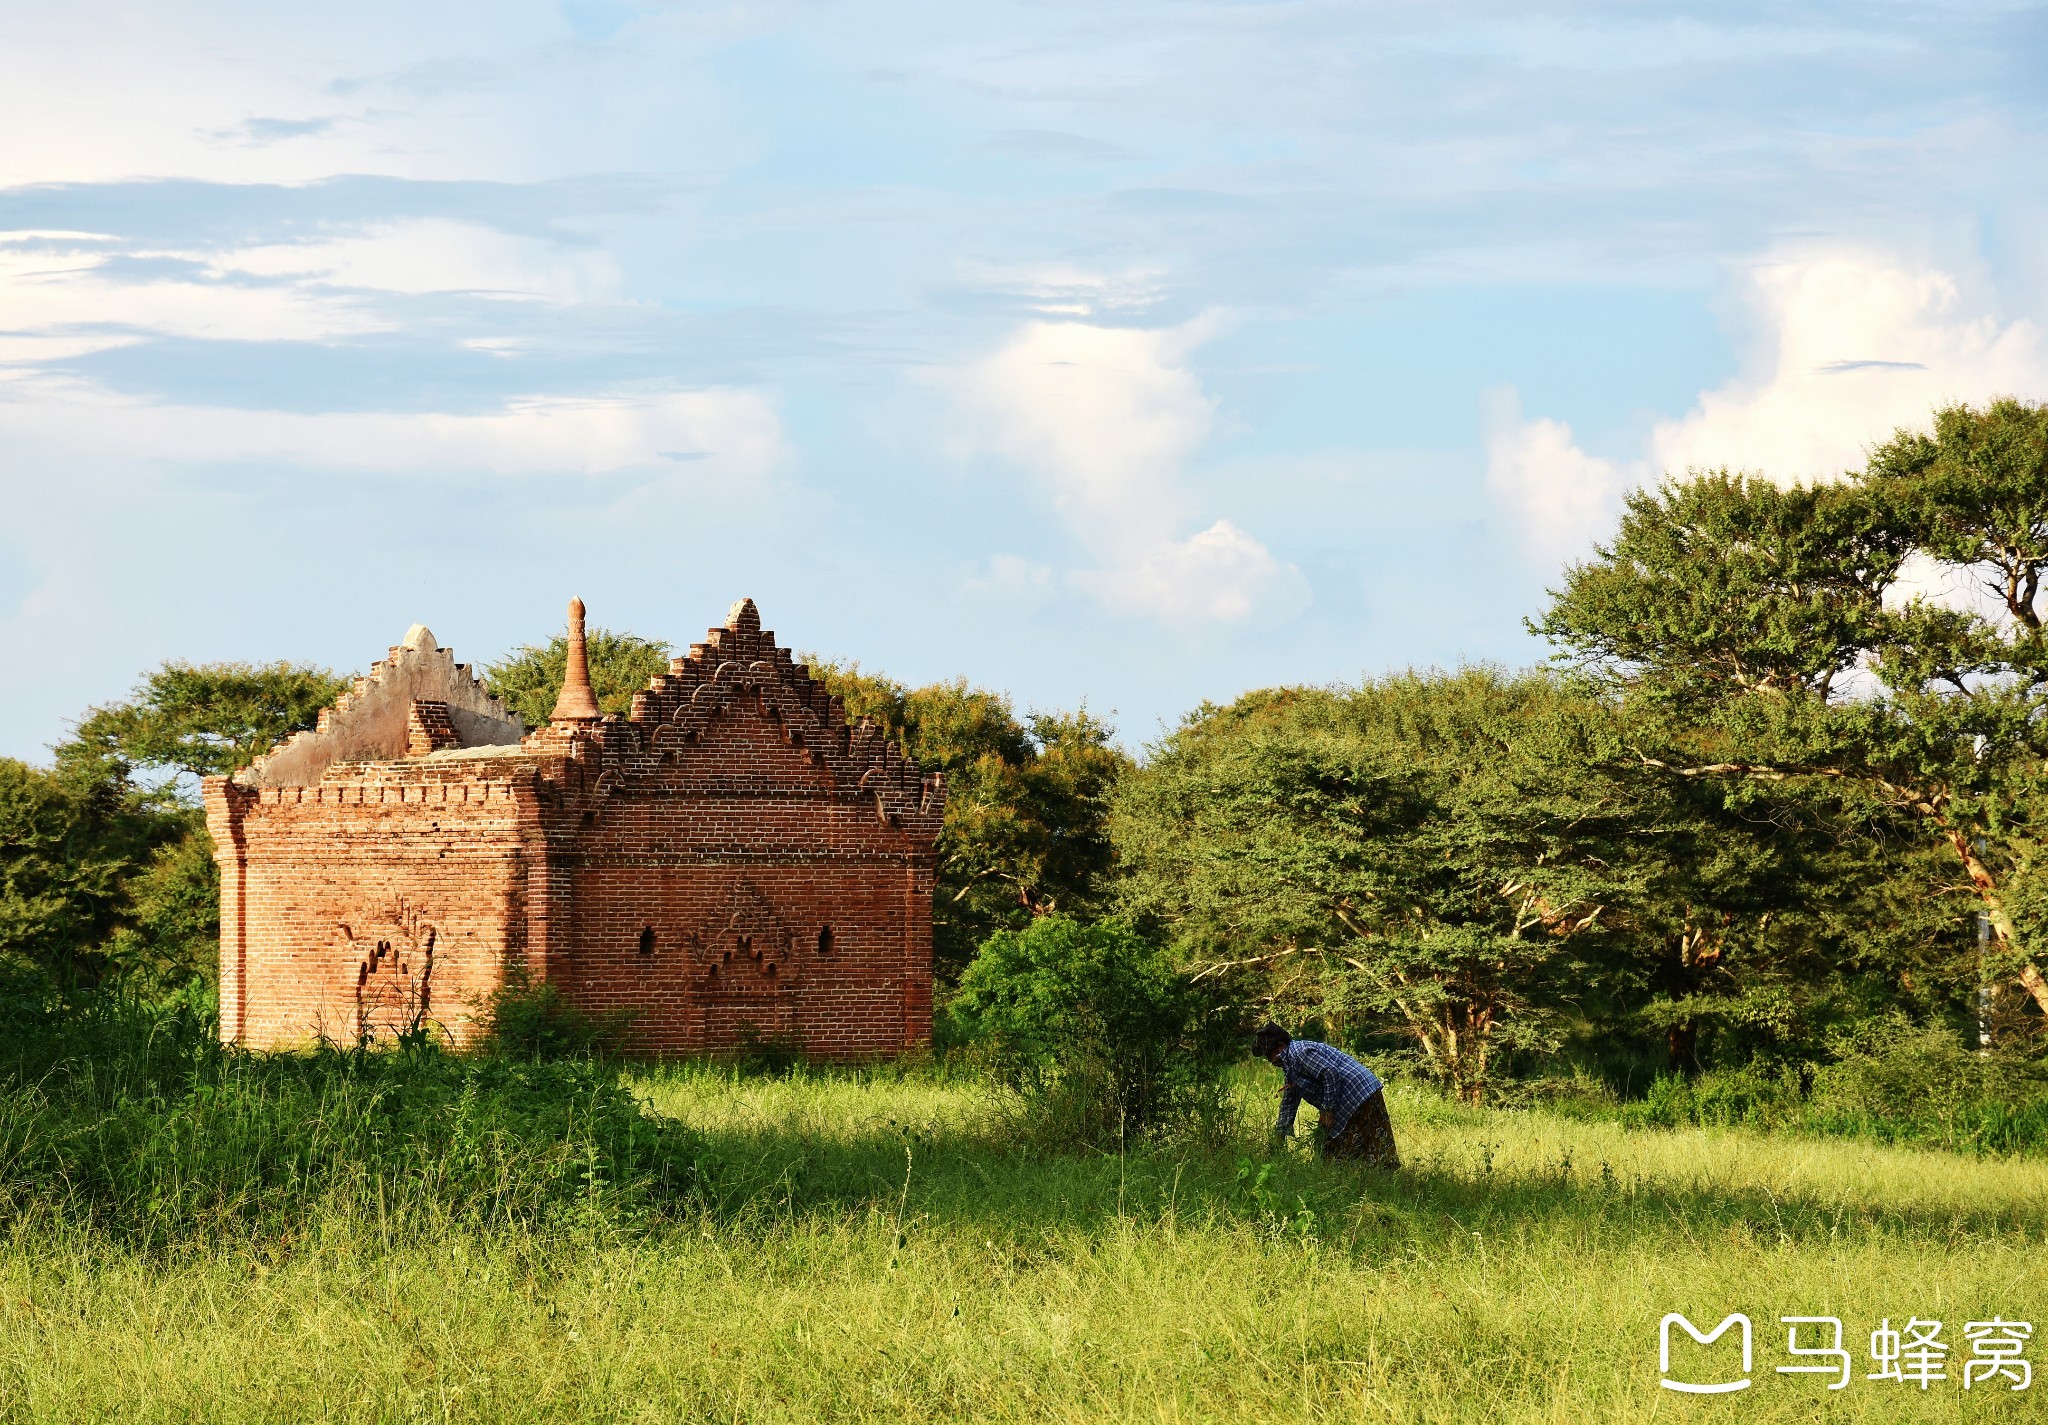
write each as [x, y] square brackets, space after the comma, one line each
[1095, 1027]
[1746, 1097]
[137, 1122]
[1889, 1081]
[528, 1019]
[1897, 1083]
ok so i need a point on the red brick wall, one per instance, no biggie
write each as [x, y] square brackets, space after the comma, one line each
[333, 896]
[729, 861]
[726, 856]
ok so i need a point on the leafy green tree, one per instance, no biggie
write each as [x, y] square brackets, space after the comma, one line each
[1094, 1022]
[170, 931]
[1428, 853]
[200, 720]
[1973, 689]
[1772, 920]
[111, 872]
[1026, 801]
[529, 678]
[1479, 862]
[1765, 633]
[66, 850]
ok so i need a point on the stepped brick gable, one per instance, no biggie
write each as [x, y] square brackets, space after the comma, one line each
[730, 863]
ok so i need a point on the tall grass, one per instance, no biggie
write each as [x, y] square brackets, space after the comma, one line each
[138, 1123]
[868, 1245]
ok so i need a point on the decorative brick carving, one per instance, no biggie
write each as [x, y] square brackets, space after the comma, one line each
[394, 950]
[729, 861]
[745, 945]
[748, 970]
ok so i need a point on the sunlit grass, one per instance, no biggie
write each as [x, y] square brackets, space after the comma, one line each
[878, 1247]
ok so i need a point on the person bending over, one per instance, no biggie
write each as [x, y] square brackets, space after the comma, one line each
[1348, 1095]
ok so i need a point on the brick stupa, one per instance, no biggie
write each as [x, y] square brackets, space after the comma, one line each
[729, 863]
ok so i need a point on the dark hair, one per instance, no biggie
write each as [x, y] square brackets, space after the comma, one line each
[1270, 1040]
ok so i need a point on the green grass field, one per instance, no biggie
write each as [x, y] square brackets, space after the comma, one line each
[871, 1247]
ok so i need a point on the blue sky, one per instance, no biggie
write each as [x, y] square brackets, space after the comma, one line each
[1138, 353]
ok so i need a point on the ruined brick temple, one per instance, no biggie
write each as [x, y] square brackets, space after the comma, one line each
[730, 862]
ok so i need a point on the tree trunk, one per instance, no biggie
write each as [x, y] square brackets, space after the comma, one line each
[2036, 985]
[2002, 928]
[1682, 1042]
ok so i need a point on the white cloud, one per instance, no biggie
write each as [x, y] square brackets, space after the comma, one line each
[435, 255]
[1559, 495]
[1850, 346]
[718, 432]
[68, 283]
[1221, 574]
[50, 288]
[1107, 417]
[1948, 586]
[111, 93]
[62, 295]
[1060, 289]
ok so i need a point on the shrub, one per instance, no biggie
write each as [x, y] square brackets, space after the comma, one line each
[135, 1121]
[1746, 1097]
[1094, 1026]
[528, 1019]
[1898, 1083]
[1889, 1081]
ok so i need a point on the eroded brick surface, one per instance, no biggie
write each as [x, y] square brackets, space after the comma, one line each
[730, 862]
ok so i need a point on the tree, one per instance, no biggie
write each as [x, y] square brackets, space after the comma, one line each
[170, 930]
[1432, 853]
[1771, 919]
[111, 877]
[529, 678]
[1768, 629]
[65, 851]
[1478, 862]
[1026, 801]
[200, 720]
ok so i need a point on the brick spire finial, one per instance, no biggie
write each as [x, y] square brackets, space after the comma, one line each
[577, 703]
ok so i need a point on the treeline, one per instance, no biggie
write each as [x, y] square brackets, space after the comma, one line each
[1778, 799]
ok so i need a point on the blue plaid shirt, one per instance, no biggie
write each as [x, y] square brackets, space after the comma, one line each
[1329, 1078]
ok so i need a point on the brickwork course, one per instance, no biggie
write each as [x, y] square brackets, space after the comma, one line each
[731, 863]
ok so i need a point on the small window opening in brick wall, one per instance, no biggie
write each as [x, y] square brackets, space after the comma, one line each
[825, 941]
[646, 940]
